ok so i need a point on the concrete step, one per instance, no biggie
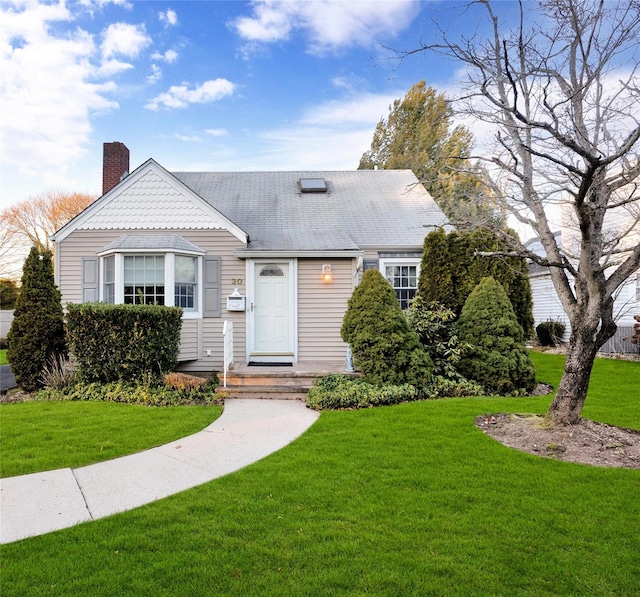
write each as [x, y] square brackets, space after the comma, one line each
[279, 392]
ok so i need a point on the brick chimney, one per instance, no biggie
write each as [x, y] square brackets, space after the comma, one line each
[115, 164]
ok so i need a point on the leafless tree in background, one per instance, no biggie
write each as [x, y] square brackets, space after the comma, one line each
[562, 92]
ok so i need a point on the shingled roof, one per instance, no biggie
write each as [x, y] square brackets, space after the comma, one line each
[360, 209]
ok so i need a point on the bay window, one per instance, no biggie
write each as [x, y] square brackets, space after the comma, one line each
[153, 270]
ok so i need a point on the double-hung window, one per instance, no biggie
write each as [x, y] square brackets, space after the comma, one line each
[402, 274]
[185, 282]
[144, 280]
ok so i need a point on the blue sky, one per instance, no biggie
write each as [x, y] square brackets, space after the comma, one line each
[207, 85]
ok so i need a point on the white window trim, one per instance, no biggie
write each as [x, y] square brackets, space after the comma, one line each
[384, 262]
[169, 277]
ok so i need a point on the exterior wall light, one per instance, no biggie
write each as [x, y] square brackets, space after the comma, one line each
[327, 275]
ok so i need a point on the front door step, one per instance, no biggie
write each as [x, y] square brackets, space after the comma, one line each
[277, 382]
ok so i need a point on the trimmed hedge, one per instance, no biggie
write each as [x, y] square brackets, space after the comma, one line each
[123, 342]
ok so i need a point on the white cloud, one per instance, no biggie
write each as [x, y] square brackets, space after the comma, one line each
[329, 24]
[327, 136]
[170, 56]
[215, 132]
[189, 138]
[180, 96]
[330, 135]
[155, 76]
[124, 39]
[169, 18]
[100, 3]
[51, 85]
[365, 108]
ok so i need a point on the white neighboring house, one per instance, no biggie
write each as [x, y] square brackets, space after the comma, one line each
[622, 222]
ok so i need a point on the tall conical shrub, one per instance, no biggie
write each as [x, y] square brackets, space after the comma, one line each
[452, 267]
[37, 330]
[499, 360]
[384, 348]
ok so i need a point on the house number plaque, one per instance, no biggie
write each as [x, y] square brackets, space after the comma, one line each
[237, 281]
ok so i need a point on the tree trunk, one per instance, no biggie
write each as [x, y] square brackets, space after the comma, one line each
[572, 392]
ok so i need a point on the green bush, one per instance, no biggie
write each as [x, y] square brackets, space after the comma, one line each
[9, 292]
[550, 333]
[123, 342]
[384, 348]
[451, 268]
[498, 360]
[445, 387]
[37, 330]
[149, 393]
[436, 328]
[341, 392]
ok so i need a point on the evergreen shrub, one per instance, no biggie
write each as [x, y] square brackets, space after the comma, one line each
[37, 331]
[550, 333]
[123, 342]
[385, 349]
[341, 392]
[9, 292]
[451, 268]
[498, 360]
[435, 325]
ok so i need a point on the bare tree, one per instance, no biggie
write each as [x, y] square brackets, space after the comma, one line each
[31, 222]
[562, 91]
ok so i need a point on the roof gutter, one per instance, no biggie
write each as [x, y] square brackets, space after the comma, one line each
[278, 254]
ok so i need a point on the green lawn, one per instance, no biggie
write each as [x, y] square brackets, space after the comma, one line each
[39, 436]
[3, 357]
[403, 500]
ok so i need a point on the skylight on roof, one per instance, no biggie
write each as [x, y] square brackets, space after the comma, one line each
[313, 185]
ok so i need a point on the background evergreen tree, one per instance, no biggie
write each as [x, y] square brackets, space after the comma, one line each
[498, 360]
[419, 135]
[384, 348]
[450, 269]
[37, 330]
[8, 294]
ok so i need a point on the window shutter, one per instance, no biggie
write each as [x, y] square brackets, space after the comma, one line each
[370, 264]
[90, 293]
[212, 287]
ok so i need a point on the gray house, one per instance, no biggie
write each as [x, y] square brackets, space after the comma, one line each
[273, 256]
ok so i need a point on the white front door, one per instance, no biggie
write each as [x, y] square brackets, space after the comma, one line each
[272, 313]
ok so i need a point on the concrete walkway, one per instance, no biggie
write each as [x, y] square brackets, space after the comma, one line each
[247, 431]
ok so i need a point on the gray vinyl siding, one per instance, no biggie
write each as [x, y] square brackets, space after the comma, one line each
[189, 340]
[198, 336]
[321, 307]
